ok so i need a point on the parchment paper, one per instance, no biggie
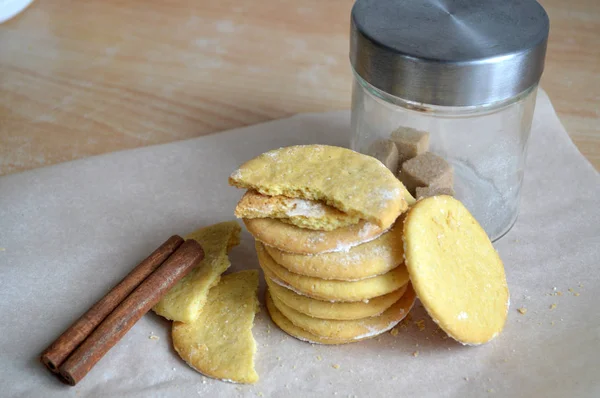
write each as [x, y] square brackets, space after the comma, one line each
[68, 233]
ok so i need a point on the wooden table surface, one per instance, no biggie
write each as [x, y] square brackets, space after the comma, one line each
[79, 78]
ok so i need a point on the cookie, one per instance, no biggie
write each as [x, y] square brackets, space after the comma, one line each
[328, 310]
[352, 329]
[296, 332]
[299, 212]
[219, 343]
[363, 261]
[353, 183]
[410, 200]
[292, 239]
[185, 300]
[332, 290]
[455, 270]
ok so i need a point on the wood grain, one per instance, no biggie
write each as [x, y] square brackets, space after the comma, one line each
[82, 78]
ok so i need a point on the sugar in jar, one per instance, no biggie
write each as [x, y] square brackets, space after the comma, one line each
[444, 93]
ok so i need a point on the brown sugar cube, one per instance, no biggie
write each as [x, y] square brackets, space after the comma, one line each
[386, 152]
[410, 142]
[425, 192]
[426, 170]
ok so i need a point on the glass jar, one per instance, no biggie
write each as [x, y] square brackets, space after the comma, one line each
[451, 72]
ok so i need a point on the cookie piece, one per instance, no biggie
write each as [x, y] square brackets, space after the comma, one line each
[353, 183]
[425, 192]
[299, 212]
[287, 326]
[353, 329]
[292, 239]
[328, 310]
[332, 290]
[386, 152]
[219, 343]
[455, 270]
[363, 261]
[426, 170]
[408, 197]
[185, 300]
[410, 142]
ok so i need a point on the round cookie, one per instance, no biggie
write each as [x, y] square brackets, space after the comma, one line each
[363, 261]
[341, 311]
[351, 182]
[296, 332]
[332, 290]
[292, 239]
[353, 329]
[455, 270]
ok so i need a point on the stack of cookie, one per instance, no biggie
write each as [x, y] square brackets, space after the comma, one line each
[328, 229]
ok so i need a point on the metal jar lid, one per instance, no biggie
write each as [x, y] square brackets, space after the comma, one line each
[449, 52]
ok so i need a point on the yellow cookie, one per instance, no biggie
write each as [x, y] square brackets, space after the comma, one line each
[353, 183]
[299, 212]
[340, 311]
[185, 300]
[332, 290]
[455, 270]
[290, 238]
[363, 261]
[353, 329]
[410, 200]
[297, 332]
[219, 343]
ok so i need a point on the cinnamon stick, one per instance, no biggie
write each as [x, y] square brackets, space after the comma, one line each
[62, 347]
[143, 298]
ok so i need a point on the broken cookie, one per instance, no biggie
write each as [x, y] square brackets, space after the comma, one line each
[185, 300]
[219, 343]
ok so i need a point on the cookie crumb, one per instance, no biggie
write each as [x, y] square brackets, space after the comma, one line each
[415, 354]
[576, 294]
[552, 323]
[522, 310]
[552, 306]
[490, 390]
[559, 293]
[394, 332]
[335, 366]
[580, 284]
[279, 358]
[466, 378]
[571, 290]
[153, 337]
[260, 394]
[420, 324]
[319, 358]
